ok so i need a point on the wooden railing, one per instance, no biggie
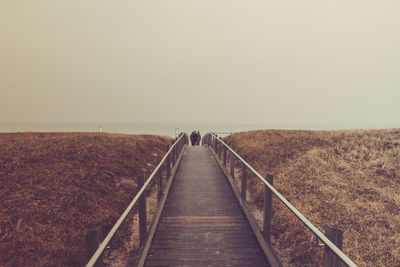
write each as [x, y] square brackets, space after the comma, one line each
[169, 161]
[334, 236]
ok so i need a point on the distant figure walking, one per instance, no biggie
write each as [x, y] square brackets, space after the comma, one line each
[192, 138]
[198, 139]
[195, 138]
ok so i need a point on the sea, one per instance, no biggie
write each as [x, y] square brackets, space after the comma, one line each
[163, 129]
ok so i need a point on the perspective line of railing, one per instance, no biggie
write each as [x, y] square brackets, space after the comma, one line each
[173, 152]
[211, 140]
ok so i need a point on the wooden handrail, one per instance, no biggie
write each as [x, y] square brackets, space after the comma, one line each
[172, 152]
[214, 142]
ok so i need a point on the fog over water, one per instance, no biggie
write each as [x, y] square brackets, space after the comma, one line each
[290, 64]
[163, 129]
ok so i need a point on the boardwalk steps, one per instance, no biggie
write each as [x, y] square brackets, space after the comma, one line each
[202, 223]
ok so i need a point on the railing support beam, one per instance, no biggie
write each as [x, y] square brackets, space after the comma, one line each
[224, 156]
[244, 180]
[159, 180]
[168, 165]
[173, 155]
[142, 212]
[268, 209]
[232, 165]
[335, 235]
[93, 238]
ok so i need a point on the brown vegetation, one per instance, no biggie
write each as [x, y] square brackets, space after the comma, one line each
[55, 186]
[346, 178]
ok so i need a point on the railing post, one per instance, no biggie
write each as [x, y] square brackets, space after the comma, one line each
[335, 235]
[160, 181]
[232, 165]
[142, 211]
[168, 165]
[268, 209]
[225, 156]
[173, 156]
[176, 151]
[93, 238]
[244, 178]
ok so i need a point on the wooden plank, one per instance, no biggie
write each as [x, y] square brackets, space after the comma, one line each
[208, 245]
[206, 262]
[198, 254]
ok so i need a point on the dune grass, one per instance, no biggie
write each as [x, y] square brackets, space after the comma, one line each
[346, 178]
[55, 186]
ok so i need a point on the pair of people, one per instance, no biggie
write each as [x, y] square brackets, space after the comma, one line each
[195, 138]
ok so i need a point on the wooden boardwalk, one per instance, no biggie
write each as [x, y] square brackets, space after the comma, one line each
[202, 223]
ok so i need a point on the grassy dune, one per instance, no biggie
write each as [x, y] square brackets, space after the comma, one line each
[55, 186]
[346, 178]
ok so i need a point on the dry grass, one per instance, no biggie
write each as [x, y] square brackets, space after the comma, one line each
[346, 178]
[55, 186]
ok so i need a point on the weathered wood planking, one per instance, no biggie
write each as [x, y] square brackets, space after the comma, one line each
[202, 223]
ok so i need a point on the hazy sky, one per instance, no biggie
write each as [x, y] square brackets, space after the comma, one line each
[290, 62]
